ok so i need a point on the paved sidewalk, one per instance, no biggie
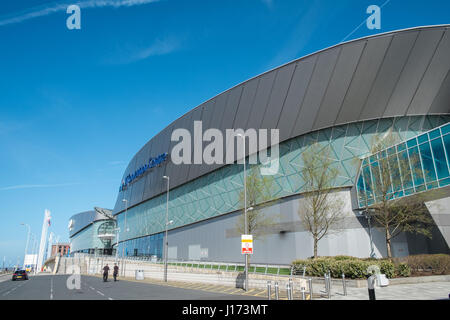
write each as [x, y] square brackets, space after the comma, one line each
[419, 291]
[255, 292]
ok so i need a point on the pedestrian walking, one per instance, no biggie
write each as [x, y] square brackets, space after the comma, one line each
[116, 271]
[105, 273]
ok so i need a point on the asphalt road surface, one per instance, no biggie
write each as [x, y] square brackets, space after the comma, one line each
[54, 287]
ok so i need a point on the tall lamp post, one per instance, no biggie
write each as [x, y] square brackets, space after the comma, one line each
[245, 211]
[166, 243]
[117, 230]
[368, 217]
[28, 239]
[366, 214]
[126, 227]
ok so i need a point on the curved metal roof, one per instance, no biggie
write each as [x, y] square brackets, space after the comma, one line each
[398, 73]
[81, 220]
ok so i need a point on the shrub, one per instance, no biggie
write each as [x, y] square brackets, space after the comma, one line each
[341, 257]
[387, 267]
[353, 268]
[403, 270]
[436, 263]
[356, 268]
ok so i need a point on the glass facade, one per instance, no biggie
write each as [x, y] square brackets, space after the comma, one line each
[145, 246]
[88, 239]
[217, 193]
[419, 164]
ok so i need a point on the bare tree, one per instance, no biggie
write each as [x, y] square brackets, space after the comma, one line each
[321, 209]
[390, 171]
[259, 195]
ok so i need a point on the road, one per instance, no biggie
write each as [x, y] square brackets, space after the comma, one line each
[53, 287]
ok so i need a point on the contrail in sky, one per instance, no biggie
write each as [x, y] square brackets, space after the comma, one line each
[58, 7]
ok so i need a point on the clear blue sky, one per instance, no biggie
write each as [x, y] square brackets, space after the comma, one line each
[76, 105]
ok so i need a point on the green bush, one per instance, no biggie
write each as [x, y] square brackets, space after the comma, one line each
[356, 268]
[340, 258]
[387, 267]
[403, 270]
[352, 267]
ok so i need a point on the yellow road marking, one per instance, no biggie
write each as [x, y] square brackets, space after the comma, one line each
[236, 291]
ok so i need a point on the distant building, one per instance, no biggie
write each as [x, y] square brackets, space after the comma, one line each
[92, 232]
[60, 249]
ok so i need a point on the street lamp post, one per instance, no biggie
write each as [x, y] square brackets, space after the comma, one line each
[365, 213]
[368, 217]
[245, 211]
[126, 227]
[35, 253]
[117, 230]
[166, 244]
[28, 239]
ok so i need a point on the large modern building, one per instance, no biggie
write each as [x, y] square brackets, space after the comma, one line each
[340, 97]
[92, 232]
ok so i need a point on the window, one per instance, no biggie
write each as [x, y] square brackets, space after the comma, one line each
[427, 161]
[395, 173]
[416, 166]
[439, 158]
[405, 170]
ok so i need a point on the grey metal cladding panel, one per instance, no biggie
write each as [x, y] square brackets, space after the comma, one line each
[153, 184]
[150, 190]
[316, 90]
[433, 78]
[203, 115]
[216, 120]
[139, 185]
[219, 110]
[208, 123]
[196, 116]
[388, 75]
[160, 171]
[441, 103]
[127, 192]
[146, 191]
[207, 114]
[413, 72]
[178, 172]
[363, 79]
[230, 112]
[297, 90]
[246, 103]
[278, 96]
[339, 84]
[261, 100]
[231, 107]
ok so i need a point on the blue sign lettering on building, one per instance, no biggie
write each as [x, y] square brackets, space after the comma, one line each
[152, 162]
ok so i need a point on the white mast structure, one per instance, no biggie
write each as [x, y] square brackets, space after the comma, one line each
[44, 238]
[51, 238]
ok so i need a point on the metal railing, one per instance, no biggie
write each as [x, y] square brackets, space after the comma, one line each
[254, 268]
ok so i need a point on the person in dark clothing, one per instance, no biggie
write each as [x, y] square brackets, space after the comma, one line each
[115, 272]
[105, 273]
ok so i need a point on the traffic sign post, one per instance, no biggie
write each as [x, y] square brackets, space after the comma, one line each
[246, 244]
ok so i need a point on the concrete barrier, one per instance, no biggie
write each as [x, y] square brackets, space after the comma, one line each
[127, 268]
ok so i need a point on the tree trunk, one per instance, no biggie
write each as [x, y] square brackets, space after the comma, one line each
[315, 247]
[388, 243]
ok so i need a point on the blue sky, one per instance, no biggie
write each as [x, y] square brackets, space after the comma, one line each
[76, 105]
